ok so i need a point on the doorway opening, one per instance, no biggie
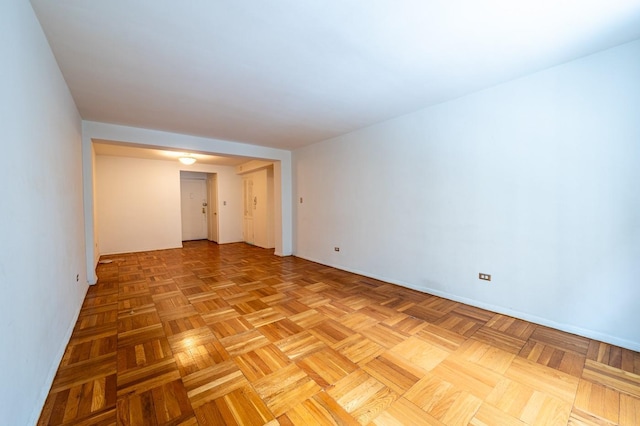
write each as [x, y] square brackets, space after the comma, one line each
[199, 206]
[258, 202]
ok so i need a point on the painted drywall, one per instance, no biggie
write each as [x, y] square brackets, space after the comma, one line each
[534, 181]
[41, 232]
[283, 228]
[138, 204]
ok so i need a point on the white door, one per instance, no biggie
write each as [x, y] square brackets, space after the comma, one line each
[249, 206]
[212, 185]
[193, 204]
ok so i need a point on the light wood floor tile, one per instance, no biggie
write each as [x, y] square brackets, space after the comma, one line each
[485, 355]
[331, 332]
[320, 409]
[544, 379]
[499, 339]
[420, 353]
[214, 382]
[140, 318]
[180, 325]
[488, 415]
[528, 404]
[285, 388]
[148, 376]
[581, 418]
[565, 361]
[359, 349]
[511, 326]
[444, 401]
[230, 327]
[261, 362]
[326, 366]
[510, 397]
[167, 403]
[598, 400]
[300, 345]
[87, 348]
[240, 406]
[629, 410]
[424, 313]
[362, 396]
[384, 335]
[544, 409]
[441, 338]
[84, 371]
[402, 412]
[243, 342]
[263, 317]
[86, 401]
[458, 324]
[191, 338]
[280, 330]
[612, 377]
[614, 356]
[197, 357]
[561, 340]
[145, 353]
[334, 310]
[467, 376]
[394, 371]
[405, 323]
[457, 409]
[308, 318]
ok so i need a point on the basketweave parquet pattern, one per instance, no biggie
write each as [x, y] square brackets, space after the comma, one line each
[223, 335]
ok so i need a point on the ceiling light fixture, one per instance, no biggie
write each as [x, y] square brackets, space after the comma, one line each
[187, 160]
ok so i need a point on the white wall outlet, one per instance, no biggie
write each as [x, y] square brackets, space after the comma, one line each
[486, 277]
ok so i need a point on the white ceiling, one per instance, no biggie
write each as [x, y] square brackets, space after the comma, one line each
[289, 73]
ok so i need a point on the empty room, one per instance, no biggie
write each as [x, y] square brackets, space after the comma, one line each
[301, 213]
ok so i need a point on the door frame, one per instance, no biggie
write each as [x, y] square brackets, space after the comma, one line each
[213, 232]
[183, 179]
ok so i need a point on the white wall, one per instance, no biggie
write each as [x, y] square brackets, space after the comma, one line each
[138, 204]
[534, 181]
[41, 231]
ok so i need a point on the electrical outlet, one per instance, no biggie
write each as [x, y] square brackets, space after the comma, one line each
[336, 249]
[300, 200]
[486, 277]
[77, 277]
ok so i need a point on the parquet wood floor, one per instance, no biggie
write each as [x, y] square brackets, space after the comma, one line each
[232, 334]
